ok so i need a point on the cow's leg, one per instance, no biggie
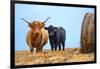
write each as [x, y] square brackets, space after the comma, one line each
[40, 49]
[63, 44]
[37, 50]
[31, 50]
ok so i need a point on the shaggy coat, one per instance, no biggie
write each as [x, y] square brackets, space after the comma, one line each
[37, 36]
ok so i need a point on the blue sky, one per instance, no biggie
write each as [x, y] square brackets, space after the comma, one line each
[70, 18]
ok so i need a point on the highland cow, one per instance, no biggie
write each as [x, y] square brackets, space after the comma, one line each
[37, 36]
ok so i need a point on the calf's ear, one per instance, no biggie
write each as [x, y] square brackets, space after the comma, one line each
[55, 27]
[46, 28]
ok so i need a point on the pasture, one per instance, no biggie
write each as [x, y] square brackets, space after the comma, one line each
[49, 57]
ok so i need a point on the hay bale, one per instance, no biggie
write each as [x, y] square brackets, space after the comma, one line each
[87, 34]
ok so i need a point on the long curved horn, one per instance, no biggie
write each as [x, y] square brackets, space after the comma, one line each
[46, 20]
[26, 21]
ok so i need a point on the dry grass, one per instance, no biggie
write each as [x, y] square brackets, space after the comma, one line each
[49, 57]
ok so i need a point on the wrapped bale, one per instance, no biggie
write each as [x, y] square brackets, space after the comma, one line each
[87, 34]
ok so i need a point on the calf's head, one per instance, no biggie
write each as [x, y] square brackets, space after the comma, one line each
[51, 30]
[36, 26]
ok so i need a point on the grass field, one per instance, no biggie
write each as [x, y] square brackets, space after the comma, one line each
[50, 57]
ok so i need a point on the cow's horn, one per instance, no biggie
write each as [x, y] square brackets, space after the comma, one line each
[46, 20]
[26, 21]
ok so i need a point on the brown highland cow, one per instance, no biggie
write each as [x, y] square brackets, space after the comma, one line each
[37, 36]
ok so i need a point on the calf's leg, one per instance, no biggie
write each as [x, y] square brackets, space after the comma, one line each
[59, 47]
[63, 44]
[55, 47]
[51, 46]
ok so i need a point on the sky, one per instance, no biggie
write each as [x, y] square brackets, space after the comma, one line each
[70, 18]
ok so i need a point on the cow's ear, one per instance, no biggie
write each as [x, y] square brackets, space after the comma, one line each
[30, 25]
[46, 28]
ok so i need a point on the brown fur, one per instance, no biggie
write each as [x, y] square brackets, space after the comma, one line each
[37, 36]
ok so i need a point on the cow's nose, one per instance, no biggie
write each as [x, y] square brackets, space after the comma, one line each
[37, 33]
[51, 34]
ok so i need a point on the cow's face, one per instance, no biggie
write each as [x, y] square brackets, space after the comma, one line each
[51, 30]
[36, 26]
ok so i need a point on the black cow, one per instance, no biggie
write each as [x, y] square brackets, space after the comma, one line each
[57, 36]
